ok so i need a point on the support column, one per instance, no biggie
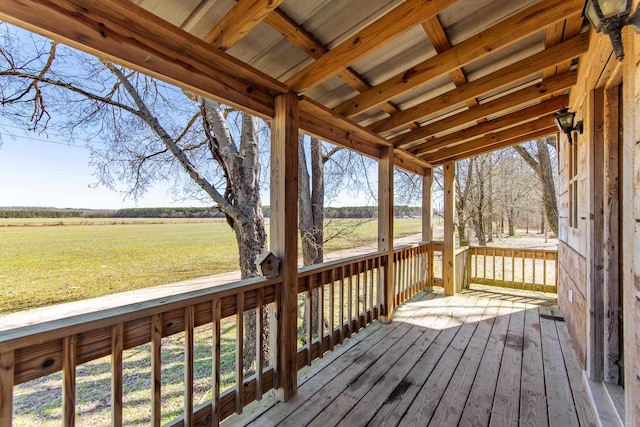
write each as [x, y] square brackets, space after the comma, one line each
[427, 205]
[284, 239]
[427, 223]
[448, 247]
[630, 177]
[385, 226]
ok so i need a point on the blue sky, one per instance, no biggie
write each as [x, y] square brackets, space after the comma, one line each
[41, 171]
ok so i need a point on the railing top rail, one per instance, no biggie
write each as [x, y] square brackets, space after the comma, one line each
[411, 245]
[528, 250]
[311, 269]
[54, 329]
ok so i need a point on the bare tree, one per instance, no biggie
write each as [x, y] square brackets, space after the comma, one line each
[538, 157]
[141, 130]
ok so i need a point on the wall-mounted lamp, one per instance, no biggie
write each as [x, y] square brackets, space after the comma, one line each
[564, 120]
[609, 16]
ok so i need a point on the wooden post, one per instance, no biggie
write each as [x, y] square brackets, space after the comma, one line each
[448, 247]
[427, 205]
[611, 238]
[595, 297]
[385, 226]
[6, 388]
[630, 228]
[284, 237]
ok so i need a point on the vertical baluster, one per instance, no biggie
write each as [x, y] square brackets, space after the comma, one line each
[350, 299]
[370, 274]
[215, 371]
[494, 265]
[69, 380]
[341, 309]
[6, 388]
[534, 256]
[475, 263]
[189, 324]
[156, 370]
[357, 300]
[259, 341]
[484, 263]
[239, 352]
[555, 272]
[523, 270]
[365, 288]
[504, 279]
[513, 268]
[544, 270]
[396, 278]
[380, 284]
[117, 332]
[321, 315]
[332, 290]
[309, 320]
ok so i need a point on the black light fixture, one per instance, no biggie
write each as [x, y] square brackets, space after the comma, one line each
[608, 17]
[564, 121]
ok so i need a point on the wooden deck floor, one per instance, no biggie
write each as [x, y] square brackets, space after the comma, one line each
[477, 359]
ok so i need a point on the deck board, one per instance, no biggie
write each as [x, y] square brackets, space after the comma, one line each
[476, 359]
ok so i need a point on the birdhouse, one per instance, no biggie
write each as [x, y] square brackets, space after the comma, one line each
[268, 264]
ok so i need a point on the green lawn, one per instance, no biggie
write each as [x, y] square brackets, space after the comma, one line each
[50, 261]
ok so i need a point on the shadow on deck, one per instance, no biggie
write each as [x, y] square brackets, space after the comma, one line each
[482, 357]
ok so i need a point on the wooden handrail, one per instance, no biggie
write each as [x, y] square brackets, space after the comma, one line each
[536, 269]
[349, 293]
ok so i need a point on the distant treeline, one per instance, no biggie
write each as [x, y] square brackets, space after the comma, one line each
[342, 212]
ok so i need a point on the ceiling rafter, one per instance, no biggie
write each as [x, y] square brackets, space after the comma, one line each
[540, 133]
[508, 102]
[490, 139]
[239, 21]
[530, 66]
[434, 30]
[127, 34]
[388, 27]
[507, 120]
[504, 33]
[304, 40]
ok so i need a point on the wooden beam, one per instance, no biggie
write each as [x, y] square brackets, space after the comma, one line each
[500, 35]
[595, 230]
[304, 40]
[409, 162]
[307, 105]
[483, 111]
[556, 33]
[239, 21]
[434, 30]
[491, 138]
[520, 116]
[284, 237]
[310, 125]
[7, 366]
[463, 154]
[122, 32]
[573, 48]
[385, 29]
[448, 246]
[427, 206]
[385, 226]
[630, 219]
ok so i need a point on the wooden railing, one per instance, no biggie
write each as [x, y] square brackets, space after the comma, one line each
[530, 269]
[461, 264]
[349, 294]
[38, 350]
[412, 265]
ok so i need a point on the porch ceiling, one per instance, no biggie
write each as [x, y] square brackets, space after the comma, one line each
[439, 80]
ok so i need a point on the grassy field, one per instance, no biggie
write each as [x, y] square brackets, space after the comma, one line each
[44, 262]
[49, 261]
